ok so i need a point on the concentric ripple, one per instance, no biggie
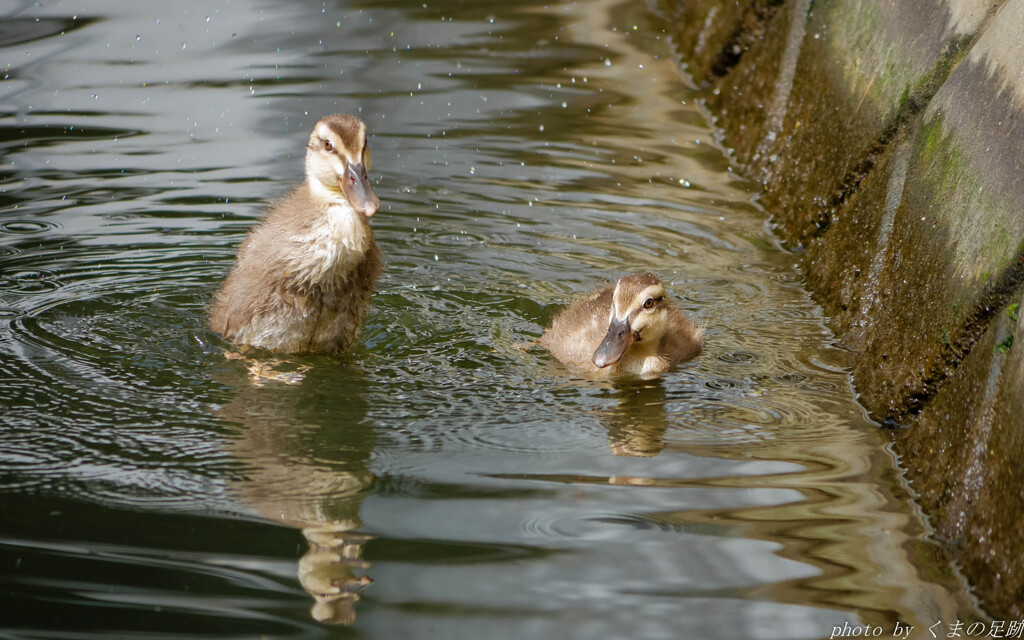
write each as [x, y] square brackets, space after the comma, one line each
[99, 335]
[581, 526]
[26, 227]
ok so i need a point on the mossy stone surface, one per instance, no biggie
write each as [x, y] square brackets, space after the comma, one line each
[964, 457]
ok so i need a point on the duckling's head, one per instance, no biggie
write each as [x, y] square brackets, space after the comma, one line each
[639, 313]
[337, 159]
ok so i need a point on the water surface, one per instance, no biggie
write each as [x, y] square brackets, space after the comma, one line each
[437, 481]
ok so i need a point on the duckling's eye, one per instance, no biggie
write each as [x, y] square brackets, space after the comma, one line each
[649, 303]
[328, 146]
[366, 157]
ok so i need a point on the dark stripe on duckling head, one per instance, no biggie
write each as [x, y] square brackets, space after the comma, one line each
[350, 134]
[629, 293]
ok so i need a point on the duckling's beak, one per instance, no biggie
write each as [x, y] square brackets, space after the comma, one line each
[356, 186]
[615, 343]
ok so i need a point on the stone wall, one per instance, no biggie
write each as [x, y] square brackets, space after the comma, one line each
[888, 136]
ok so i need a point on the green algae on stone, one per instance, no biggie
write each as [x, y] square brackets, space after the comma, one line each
[978, 233]
[1004, 346]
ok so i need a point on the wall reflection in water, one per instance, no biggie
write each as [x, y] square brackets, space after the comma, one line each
[304, 443]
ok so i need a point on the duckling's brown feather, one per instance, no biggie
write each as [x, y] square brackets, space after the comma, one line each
[579, 330]
[349, 129]
[682, 341]
[304, 275]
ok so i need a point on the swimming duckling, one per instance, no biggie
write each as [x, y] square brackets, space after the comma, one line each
[630, 328]
[305, 274]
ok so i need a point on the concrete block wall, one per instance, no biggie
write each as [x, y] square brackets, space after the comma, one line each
[888, 136]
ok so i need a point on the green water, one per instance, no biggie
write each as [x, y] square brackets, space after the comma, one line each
[448, 483]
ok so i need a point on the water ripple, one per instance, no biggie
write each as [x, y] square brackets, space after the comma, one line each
[582, 526]
[26, 227]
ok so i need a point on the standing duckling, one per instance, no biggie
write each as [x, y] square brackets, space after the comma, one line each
[630, 328]
[304, 275]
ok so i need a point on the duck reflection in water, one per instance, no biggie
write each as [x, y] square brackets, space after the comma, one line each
[302, 472]
[637, 425]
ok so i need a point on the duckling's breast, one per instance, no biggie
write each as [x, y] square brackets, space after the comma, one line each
[333, 247]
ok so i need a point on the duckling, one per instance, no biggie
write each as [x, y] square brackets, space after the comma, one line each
[304, 275]
[630, 328]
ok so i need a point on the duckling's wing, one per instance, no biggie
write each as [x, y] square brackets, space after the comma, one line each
[577, 331]
[261, 296]
[682, 341]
